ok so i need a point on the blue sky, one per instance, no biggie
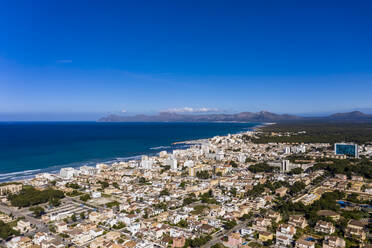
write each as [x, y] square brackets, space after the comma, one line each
[83, 59]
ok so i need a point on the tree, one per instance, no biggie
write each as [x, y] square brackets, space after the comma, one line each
[37, 211]
[164, 192]
[261, 167]
[296, 171]
[203, 175]
[6, 231]
[29, 196]
[234, 164]
[104, 184]
[73, 218]
[116, 185]
[85, 197]
[229, 224]
[182, 184]
[82, 215]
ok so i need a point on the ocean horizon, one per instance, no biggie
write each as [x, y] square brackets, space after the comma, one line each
[29, 148]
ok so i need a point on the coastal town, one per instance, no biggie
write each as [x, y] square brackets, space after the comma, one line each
[227, 191]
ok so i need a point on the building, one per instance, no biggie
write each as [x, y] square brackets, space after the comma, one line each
[355, 229]
[348, 149]
[172, 163]
[305, 242]
[333, 242]
[284, 235]
[234, 240]
[23, 226]
[329, 213]
[287, 150]
[297, 221]
[285, 166]
[178, 242]
[12, 188]
[265, 236]
[324, 227]
[67, 173]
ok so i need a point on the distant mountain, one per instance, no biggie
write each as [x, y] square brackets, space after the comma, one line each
[262, 116]
[354, 115]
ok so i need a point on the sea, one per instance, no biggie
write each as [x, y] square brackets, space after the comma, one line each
[29, 148]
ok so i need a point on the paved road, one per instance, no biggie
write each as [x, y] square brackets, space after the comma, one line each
[217, 238]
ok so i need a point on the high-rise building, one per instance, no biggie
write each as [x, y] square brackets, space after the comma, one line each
[346, 149]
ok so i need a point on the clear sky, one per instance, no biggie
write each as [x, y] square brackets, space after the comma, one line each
[83, 59]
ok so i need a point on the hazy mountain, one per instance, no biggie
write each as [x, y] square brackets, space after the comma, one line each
[354, 115]
[262, 116]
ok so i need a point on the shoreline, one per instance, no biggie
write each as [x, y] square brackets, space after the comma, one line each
[21, 176]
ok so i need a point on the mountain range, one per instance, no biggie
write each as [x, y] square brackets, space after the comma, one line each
[262, 116]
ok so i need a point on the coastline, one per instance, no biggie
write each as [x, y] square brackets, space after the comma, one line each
[20, 176]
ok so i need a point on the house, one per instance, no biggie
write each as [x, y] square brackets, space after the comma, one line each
[261, 224]
[55, 243]
[234, 240]
[206, 229]
[355, 229]
[245, 231]
[178, 242]
[324, 227]
[284, 234]
[305, 242]
[297, 221]
[333, 242]
[23, 226]
[328, 213]
[40, 237]
[274, 216]
[281, 191]
[19, 242]
[265, 236]
[61, 227]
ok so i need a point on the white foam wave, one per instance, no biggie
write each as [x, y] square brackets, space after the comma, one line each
[160, 147]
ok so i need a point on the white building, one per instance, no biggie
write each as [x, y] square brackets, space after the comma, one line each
[67, 173]
[285, 166]
[172, 163]
[287, 150]
[88, 170]
[189, 163]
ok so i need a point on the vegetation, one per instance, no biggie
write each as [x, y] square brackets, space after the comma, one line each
[317, 132]
[85, 197]
[74, 193]
[29, 196]
[229, 224]
[208, 198]
[112, 204]
[37, 211]
[234, 164]
[296, 188]
[6, 231]
[182, 223]
[197, 242]
[164, 192]
[73, 185]
[203, 175]
[104, 184]
[261, 167]
[119, 225]
[361, 167]
[199, 209]
[296, 171]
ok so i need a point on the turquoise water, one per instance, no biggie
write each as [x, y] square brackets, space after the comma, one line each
[27, 148]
